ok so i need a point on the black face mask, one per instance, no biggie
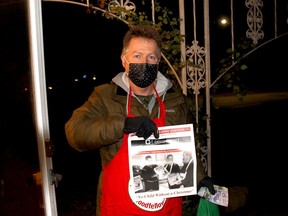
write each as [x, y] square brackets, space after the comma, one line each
[142, 74]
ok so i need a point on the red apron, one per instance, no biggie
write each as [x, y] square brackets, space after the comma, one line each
[116, 200]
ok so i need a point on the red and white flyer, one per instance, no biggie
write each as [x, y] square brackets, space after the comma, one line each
[151, 174]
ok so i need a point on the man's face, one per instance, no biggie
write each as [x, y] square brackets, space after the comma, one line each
[186, 158]
[140, 51]
[149, 161]
[170, 159]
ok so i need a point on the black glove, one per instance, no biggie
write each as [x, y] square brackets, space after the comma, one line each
[142, 126]
[207, 182]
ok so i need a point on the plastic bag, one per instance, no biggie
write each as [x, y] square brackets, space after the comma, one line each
[207, 208]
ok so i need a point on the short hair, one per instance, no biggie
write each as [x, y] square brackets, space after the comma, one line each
[142, 31]
[148, 157]
[169, 155]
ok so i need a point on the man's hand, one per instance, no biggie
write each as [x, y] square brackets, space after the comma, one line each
[142, 126]
[207, 182]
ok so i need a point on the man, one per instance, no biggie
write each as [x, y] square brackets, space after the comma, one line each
[187, 169]
[149, 176]
[173, 170]
[138, 101]
[170, 166]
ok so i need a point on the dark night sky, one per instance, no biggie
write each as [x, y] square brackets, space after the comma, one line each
[78, 44]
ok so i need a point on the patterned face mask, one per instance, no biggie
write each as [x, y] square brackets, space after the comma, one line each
[142, 74]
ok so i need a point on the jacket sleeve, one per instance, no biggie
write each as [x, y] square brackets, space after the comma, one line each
[91, 126]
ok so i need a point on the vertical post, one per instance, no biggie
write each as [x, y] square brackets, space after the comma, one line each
[232, 29]
[208, 80]
[275, 19]
[40, 104]
[183, 44]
